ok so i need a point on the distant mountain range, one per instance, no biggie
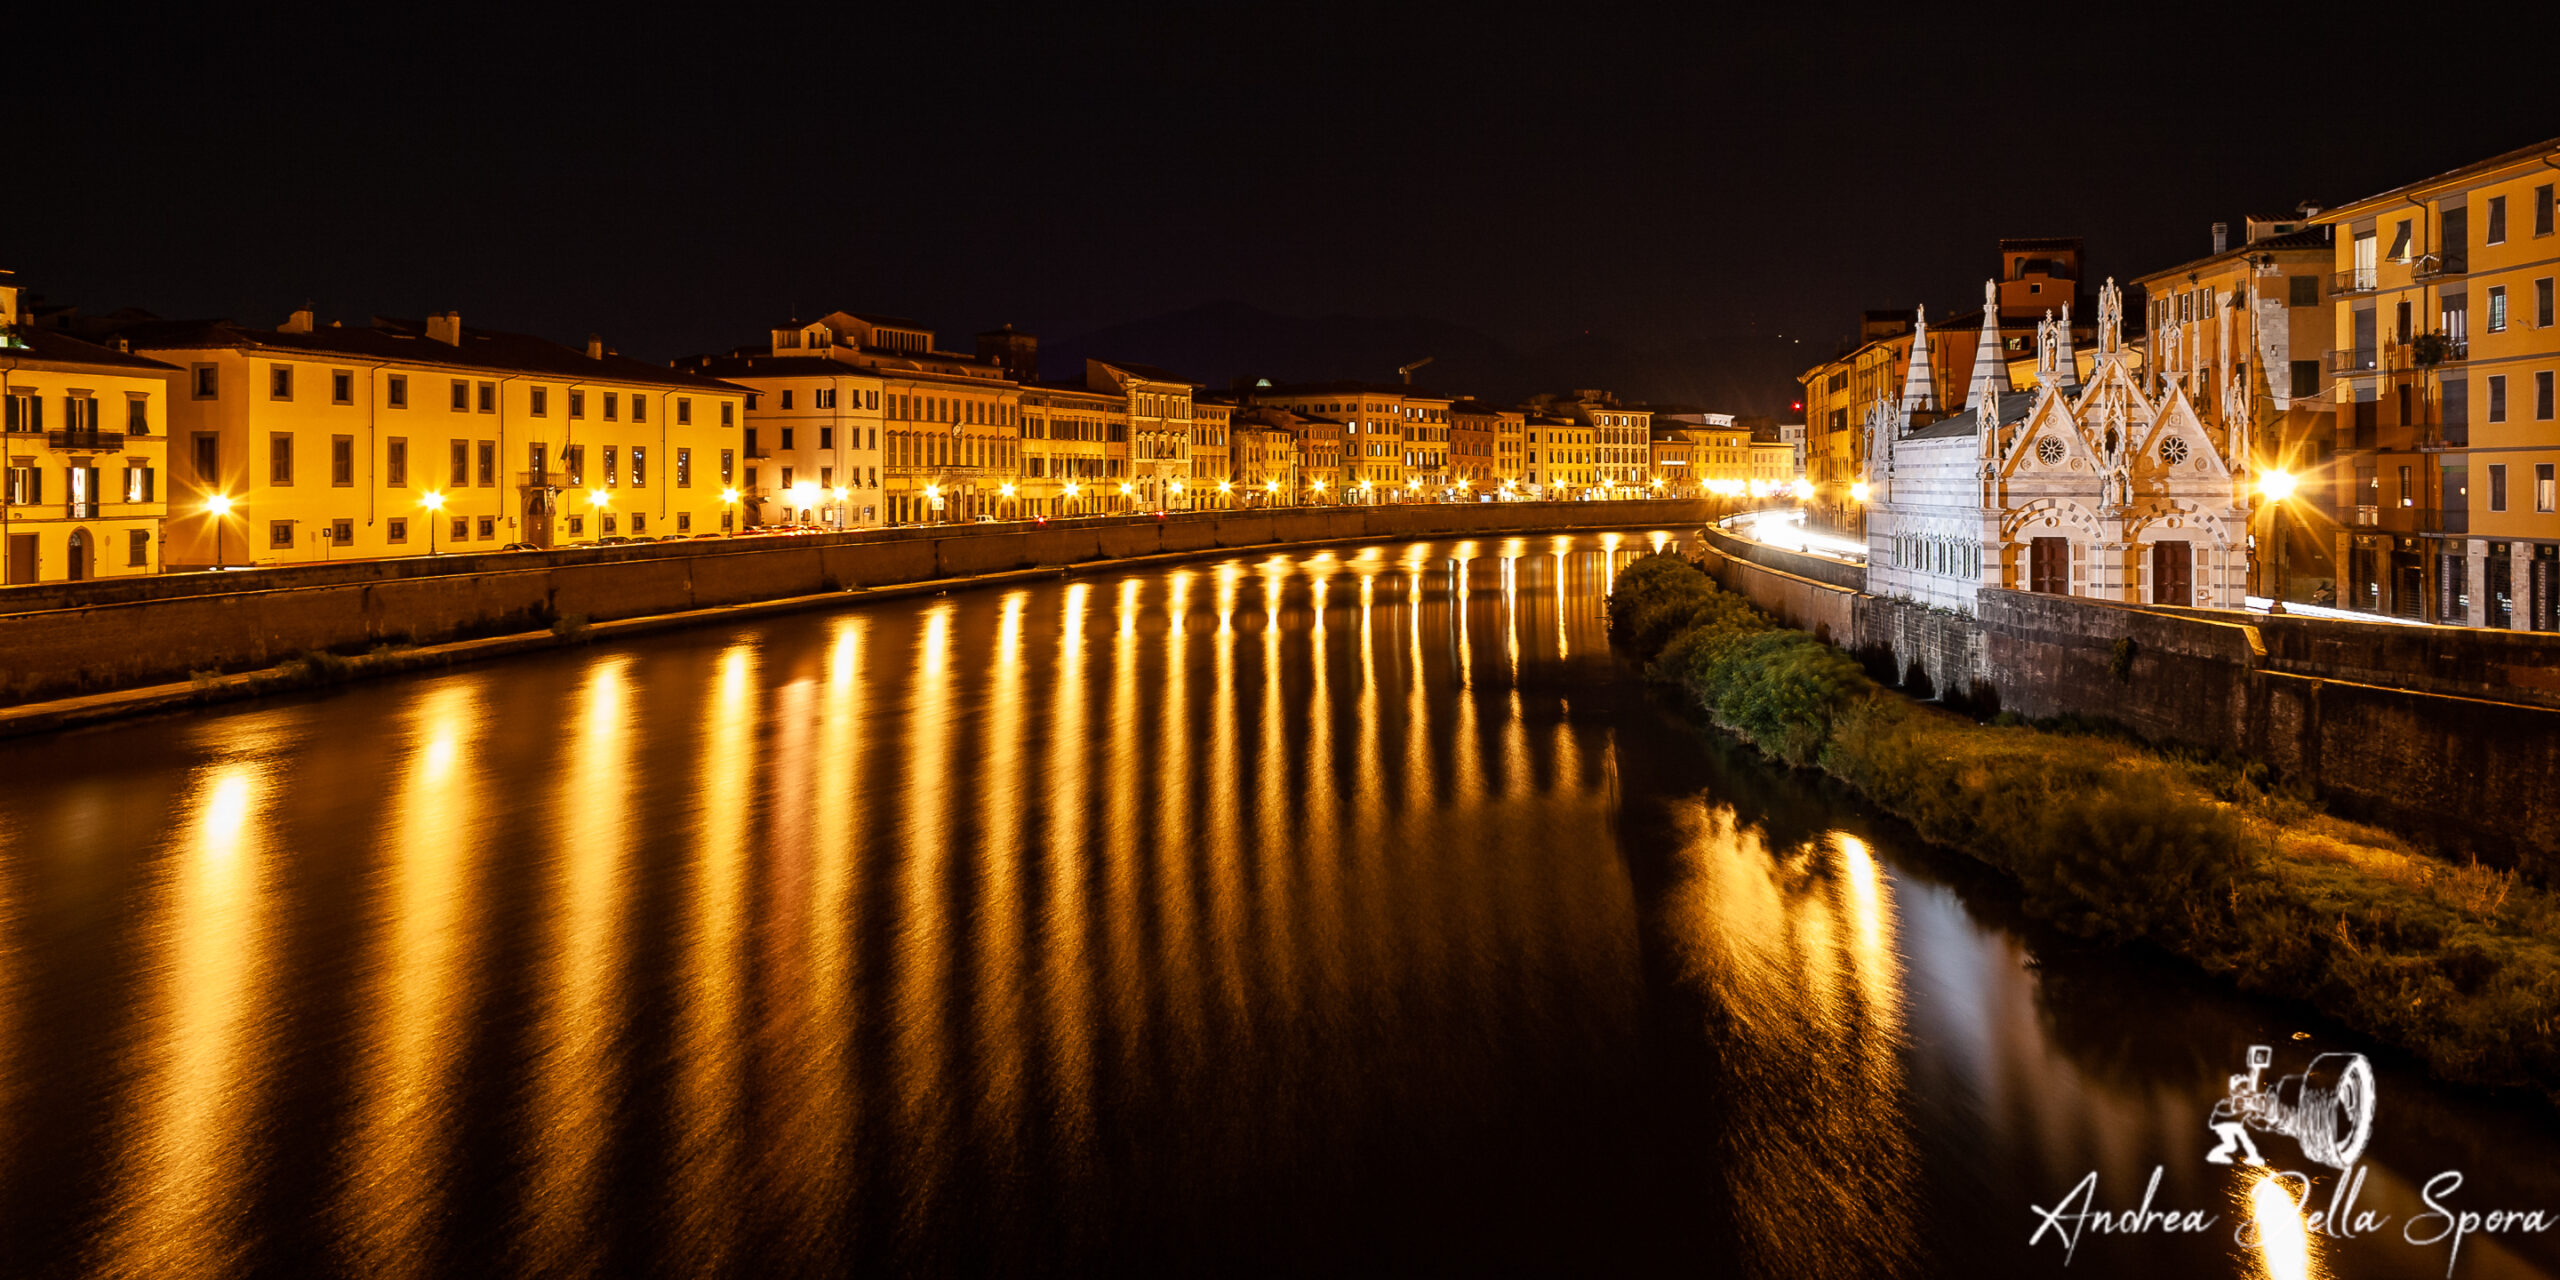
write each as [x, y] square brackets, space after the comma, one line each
[1220, 343]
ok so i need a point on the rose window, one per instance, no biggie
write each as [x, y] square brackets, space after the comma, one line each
[2049, 451]
[2173, 451]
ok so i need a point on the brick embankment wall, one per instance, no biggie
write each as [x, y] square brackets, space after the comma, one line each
[76, 638]
[2448, 735]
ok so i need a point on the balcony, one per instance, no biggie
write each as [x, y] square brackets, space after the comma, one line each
[542, 480]
[85, 441]
[2432, 266]
[2351, 360]
[80, 510]
[2359, 280]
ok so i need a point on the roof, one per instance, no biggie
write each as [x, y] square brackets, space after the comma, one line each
[1348, 387]
[1148, 372]
[764, 366]
[2332, 217]
[2311, 237]
[2013, 408]
[405, 341]
[29, 342]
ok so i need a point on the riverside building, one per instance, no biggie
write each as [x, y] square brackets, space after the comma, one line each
[86, 447]
[406, 438]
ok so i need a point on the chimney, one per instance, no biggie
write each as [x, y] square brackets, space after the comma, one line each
[445, 328]
[2221, 236]
[299, 321]
[595, 347]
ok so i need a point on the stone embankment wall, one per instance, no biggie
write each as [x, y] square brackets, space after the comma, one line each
[72, 638]
[2448, 735]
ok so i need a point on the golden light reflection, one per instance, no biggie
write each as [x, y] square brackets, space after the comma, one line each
[2285, 1250]
[576, 1077]
[1067, 975]
[424, 986]
[711, 1120]
[185, 1184]
[1168, 779]
[999, 944]
[1798, 945]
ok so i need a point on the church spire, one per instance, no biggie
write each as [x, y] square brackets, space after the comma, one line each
[2069, 359]
[1990, 364]
[1917, 379]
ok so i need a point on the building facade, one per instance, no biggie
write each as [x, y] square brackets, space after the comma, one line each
[401, 438]
[87, 446]
[812, 443]
[2445, 350]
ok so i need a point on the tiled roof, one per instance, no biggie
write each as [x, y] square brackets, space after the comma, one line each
[29, 342]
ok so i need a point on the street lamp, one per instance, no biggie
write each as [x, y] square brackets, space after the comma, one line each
[2278, 487]
[433, 501]
[728, 499]
[219, 507]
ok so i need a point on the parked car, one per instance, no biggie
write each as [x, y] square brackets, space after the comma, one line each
[519, 546]
[984, 520]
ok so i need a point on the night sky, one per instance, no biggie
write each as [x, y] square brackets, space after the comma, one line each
[680, 186]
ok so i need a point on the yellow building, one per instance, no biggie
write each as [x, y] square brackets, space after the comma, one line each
[812, 441]
[87, 444]
[1075, 444]
[1266, 463]
[1621, 441]
[1159, 408]
[2446, 349]
[2256, 311]
[1560, 458]
[1697, 455]
[1773, 466]
[1502, 434]
[1212, 484]
[401, 438]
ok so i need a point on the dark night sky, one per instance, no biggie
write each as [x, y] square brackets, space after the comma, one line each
[679, 186]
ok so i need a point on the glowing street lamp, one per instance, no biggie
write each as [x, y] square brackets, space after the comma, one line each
[1858, 491]
[2278, 487]
[1804, 491]
[219, 507]
[433, 501]
[728, 518]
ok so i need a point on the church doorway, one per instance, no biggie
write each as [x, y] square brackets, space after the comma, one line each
[2173, 567]
[2049, 566]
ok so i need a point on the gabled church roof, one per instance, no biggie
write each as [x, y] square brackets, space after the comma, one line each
[2013, 408]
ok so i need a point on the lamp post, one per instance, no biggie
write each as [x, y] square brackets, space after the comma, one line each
[433, 501]
[1005, 491]
[1068, 492]
[597, 501]
[841, 495]
[728, 515]
[219, 507]
[2277, 486]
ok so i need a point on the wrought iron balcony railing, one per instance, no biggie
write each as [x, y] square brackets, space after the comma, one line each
[85, 440]
[2358, 280]
[2354, 360]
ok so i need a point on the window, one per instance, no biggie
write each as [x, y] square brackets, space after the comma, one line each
[728, 412]
[684, 468]
[2497, 308]
[639, 466]
[396, 530]
[2497, 486]
[208, 450]
[2408, 493]
[2400, 242]
[639, 522]
[461, 396]
[2305, 289]
[280, 458]
[2497, 397]
[461, 460]
[2542, 303]
[280, 382]
[461, 529]
[684, 522]
[2542, 210]
[2542, 396]
[80, 412]
[488, 527]
[342, 532]
[606, 523]
[786, 400]
[577, 404]
[280, 535]
[611, 474]
[573, 463]
[137, 414]
[2306, 378]
[342, 387]
[786, 477]
[2544, 495]
[826, 437]
[786, 438]
[395, 462]
[208, 382]
[728, 464]
[684, 412]
[2497, 232]
[342, 461]
[612, 405]
[539, 399]
[823, 397]
[395, 391]
[639, 408]
[137, 545]
[577, 525]
[488, 464]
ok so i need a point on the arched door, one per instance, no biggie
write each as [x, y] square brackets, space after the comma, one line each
[75, 565]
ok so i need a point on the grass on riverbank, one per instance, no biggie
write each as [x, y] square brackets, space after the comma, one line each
[2458, 964]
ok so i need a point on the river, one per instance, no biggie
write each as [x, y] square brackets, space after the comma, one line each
[1322, 909]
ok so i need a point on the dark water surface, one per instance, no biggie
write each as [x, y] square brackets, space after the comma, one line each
[1333, 910]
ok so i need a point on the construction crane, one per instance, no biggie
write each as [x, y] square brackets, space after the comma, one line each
[1406, 371]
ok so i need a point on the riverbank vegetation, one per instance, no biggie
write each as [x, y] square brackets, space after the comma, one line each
[2113, 840]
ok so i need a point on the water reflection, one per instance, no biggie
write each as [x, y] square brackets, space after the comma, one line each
[1259, 914]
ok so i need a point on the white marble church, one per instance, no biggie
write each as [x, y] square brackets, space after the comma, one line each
[2106, 482]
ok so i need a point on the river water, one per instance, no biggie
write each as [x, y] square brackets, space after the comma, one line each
[1337, 909]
